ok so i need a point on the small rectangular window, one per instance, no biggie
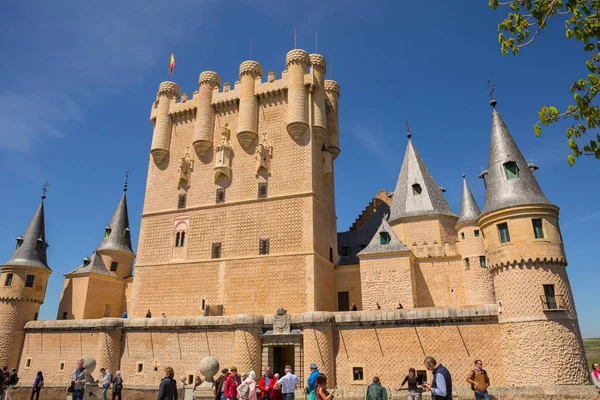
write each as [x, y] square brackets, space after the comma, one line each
[65, 315]
[29, 280]
[358, 374]
[216, 250]
[263, 246]
[8, 280]
[384, 238]
[345, 251]
[38, 244]
[551, 302]
[331, 255]
[476, 232]
[503, 231]
[511, 169]
[113, 266]
[462, 235]
[220, 195]
[262, 190]
[28, 363]
[61, 366]
[538, 230]
[421, 373]
[203, 303]
[482, 262]
[181, 200]
[190, 379]
[35, 316]
[140, 368]
[467, 263]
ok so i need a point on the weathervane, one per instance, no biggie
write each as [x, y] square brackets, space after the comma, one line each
[127, 173]
[407, 125]
[491, 86]
[44, 189]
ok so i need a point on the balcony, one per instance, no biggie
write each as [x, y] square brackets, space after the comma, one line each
[553, 303]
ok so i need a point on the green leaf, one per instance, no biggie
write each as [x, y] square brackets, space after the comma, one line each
[594, 80]
[571, 160]
[537, 130]
[590, 66]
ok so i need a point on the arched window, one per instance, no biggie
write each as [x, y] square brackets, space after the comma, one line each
[180, 227]
[107, 231]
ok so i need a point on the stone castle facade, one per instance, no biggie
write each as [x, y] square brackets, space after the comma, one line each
[239, 221]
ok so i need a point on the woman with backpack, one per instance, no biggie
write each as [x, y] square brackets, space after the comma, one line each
[38, 383]
[168, 386]
[117, 386]
[247, 389]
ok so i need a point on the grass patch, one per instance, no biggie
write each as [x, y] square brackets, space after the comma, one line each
[592, 350]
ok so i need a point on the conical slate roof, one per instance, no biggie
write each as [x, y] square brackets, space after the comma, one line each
[407, 202]
[119, 238]
[469, 210]
[93, 265]
[502, 192]
[32, 250]
[375, 246]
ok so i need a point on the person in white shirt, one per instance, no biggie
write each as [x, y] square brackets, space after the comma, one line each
[105, 381]
[288, 384]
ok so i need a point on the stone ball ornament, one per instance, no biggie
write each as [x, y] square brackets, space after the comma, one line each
[209, 367]
[89, 363]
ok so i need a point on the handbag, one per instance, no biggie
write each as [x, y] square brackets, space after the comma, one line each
[71, 388]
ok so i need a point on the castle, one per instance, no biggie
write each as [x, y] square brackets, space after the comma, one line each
[239, 222]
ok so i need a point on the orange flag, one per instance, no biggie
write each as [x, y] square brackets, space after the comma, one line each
[172, 64]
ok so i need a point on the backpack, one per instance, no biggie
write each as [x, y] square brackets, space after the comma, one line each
[118, 384]
[243, 391]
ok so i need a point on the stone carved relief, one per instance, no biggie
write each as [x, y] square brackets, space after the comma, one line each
[186, 165]
[281, 322]
[264, 153]
[223, 154]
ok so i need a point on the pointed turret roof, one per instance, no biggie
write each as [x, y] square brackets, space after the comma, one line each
[469, 210]
[31, 247]
[416, 192]
[119, 235]
[376, 246]
[93, 265]
[502, 192]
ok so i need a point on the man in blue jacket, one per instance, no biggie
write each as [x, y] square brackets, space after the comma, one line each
[312, 378]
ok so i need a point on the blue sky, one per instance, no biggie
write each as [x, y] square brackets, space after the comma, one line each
[79, 78]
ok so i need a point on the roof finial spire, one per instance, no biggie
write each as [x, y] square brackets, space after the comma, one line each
[44, 189]
[127, 173]
[491, 86]
[408, 134]
[464, 176]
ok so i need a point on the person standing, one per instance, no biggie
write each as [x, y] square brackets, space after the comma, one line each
[321, 388]
[247, 389]
[3, 377]
[441, 384]
[79, 378]
[105, 381]
[414, 383]
[266, 385]
[168, 386]
[288, 383]
[375, 391]
[117, 386]
[353, 307]
[480, 381]
[277, 389]
[596, 375]
[219, 384]
[38, 383]
[312, 381]
[12, 380]
[148, 314]
[125, 315]
[231, 384]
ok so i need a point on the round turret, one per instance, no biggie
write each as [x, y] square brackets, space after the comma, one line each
[161, 138]
[332, 90]
[297, 62]
[248, 109]
[319, 122]
[205, 112]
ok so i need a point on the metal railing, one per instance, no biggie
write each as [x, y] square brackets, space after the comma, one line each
[555, 302]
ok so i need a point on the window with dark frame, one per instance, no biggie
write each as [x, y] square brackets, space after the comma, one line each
[331, 255]
[538, 230]
[384, 238]
[482, 262]
[65, 315]
[358, 374]
[503, 232]
[512, 170]
[263, 189]
[181, 200]
[462, 235]
[467, 263]
[263, 246]
[29, 280]
[550, 295]
[113, 266]
[416, 188]
[216, 250]
[38, 244]
[107, 231]
[35, 316]
[476, 232]
[180, 239]
[220, 196]
[8, 280]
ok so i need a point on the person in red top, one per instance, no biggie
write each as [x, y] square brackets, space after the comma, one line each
[267, 385]
[231, 384]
